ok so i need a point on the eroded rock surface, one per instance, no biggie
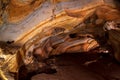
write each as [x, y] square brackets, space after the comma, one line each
[41, 29]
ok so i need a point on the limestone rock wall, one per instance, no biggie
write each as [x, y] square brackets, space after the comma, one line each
[20, 18]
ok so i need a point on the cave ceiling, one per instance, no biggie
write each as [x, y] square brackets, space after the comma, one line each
[20, 20]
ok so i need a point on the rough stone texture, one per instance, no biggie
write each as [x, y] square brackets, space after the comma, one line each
[18, 22]
[56, 21]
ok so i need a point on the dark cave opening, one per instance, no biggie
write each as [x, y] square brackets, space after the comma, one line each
[74, 64]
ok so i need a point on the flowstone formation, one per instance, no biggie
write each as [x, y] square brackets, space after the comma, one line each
[34, 30]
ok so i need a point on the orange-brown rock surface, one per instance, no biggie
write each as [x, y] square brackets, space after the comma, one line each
[17, 10]
[18, 18]
[43, 28]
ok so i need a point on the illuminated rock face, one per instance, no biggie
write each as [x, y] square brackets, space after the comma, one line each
[17, 10]
[43, 28]
[14, 13]
[20, 17]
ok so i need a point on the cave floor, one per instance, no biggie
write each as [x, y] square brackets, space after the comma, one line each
[83, 67]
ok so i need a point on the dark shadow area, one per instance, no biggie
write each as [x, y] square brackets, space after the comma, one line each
[117, 3]
[83, 66]
[25, 74]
